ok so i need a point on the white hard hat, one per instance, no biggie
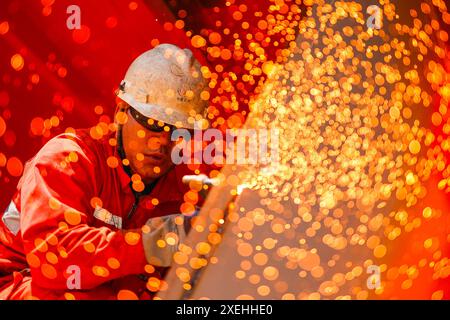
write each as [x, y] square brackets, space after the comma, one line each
[166, 84]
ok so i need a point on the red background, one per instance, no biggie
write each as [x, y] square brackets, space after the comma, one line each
[67, 73]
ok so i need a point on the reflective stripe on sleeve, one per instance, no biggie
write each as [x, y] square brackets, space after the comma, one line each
[11, 218]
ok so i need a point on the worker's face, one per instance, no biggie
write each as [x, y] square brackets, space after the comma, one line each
[148, 152]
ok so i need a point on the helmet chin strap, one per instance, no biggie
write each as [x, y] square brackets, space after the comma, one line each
[120, 148]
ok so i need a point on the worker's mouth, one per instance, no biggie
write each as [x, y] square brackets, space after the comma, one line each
[155, 158]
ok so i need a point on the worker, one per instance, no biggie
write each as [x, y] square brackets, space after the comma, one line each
[96, 218]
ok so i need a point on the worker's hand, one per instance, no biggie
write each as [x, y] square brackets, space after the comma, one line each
[171, 230]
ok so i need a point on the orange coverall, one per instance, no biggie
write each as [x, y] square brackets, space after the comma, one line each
[74, 206]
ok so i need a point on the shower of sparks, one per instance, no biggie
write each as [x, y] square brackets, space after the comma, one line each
[364, 132]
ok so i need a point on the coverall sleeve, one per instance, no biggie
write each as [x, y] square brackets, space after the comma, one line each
[55, 193]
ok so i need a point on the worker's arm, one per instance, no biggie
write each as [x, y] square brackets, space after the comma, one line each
[54, 195]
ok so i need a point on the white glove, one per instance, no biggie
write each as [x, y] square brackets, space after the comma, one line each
[172, 234]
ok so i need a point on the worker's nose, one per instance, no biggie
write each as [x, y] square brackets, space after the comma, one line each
[159, 139]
